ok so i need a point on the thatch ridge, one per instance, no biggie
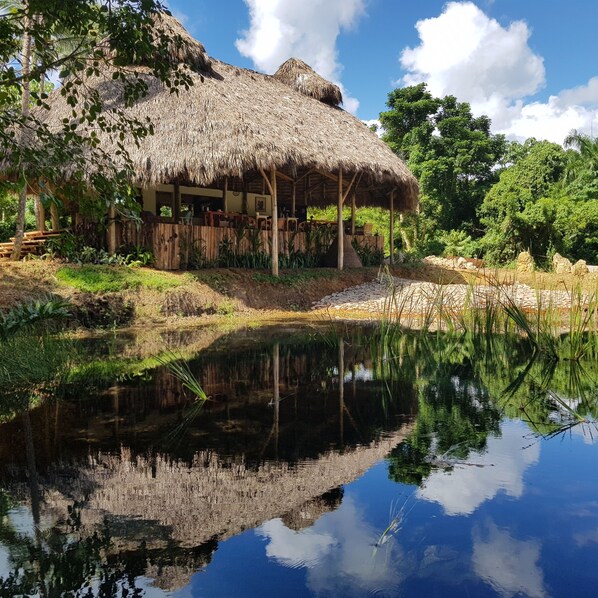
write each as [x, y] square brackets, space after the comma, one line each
[239, 121]
[182, 47]
[300, 76]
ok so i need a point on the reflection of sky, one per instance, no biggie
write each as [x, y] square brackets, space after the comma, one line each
[501, 468]
[338, 552]
[360, 373]
[510, 566]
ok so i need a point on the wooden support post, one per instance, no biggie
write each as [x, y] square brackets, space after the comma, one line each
[392, 228]
[274, 222]
[339, 209]
[40, 214]
[54, 216]
[293, 199]
[341, 389]
[176, 208]
[111, 240]
[244, 202]
[353, 214]
[224, 193]
[276, 393]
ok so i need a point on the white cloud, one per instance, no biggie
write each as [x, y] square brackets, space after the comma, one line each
[465, 53]
[510, 566]
[281, 29]
[500, 468]
[374, 121]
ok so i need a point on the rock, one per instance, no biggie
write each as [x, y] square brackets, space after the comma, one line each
[525, 262]
[579, 268]
[560, 264]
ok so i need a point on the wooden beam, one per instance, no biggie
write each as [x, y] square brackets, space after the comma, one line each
[326, 174]
[314, 187]
[349, 187]
[353, 214]
[274, 223]
[339, 210]
[224, 192]
[284, 176]
[392, 226]
[304, 176]
[266, 182]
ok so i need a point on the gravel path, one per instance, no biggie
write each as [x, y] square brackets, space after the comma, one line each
[416, 297]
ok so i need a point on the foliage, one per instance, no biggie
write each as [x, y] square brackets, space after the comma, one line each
[107, 279]
[369, 256]
[32, 363]
[291, 279]
[581, 173]
[70, 247]
[452, 154]
[81, 39]
[27, 315]
[458, 243]
[379, 218]
[519, 211]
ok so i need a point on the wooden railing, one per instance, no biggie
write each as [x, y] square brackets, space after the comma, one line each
[173, 244]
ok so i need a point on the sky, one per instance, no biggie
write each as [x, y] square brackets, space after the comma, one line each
[527, 64]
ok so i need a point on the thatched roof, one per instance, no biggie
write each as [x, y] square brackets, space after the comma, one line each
[300, 76]
[182, 48]
[234, 121]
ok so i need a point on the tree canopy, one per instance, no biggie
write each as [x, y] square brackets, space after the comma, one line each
[78, 39]
[451, 152]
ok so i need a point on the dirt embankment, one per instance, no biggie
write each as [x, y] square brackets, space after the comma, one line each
[109, 296]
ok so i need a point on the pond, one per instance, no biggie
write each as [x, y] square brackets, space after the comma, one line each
[327, 461]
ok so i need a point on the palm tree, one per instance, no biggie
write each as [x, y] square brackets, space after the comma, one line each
[584, 160]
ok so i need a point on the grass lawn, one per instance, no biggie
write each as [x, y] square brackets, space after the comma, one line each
[113, 279]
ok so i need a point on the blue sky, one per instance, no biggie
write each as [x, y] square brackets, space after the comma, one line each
[529, 64]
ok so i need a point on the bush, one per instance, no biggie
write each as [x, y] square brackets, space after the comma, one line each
[458, 243]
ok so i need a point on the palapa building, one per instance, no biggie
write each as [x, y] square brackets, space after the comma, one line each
[245, 149]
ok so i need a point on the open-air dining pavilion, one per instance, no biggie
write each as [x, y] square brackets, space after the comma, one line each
[241, 150]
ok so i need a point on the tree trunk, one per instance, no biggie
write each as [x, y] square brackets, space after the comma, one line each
[40, 212]
[26, 95]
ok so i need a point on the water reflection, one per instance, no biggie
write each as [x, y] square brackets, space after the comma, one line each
[509, 565]
[358, 467]
[500, 467]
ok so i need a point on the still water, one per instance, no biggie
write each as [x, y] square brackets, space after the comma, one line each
[325, 463]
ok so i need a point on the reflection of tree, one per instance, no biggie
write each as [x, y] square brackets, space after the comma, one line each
[466, 383]
[450, 424]
[73, 558]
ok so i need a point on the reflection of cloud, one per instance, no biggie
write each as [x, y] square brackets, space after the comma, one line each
[338, 552]
[4, 562]
[295, 549]
[510, 566]
[587, 431]
[504, 463]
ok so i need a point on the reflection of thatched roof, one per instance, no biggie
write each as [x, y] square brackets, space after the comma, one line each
[235, 121]
[300, 76]
[214, 497]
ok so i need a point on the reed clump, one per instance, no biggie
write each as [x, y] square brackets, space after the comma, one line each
[555, 331]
